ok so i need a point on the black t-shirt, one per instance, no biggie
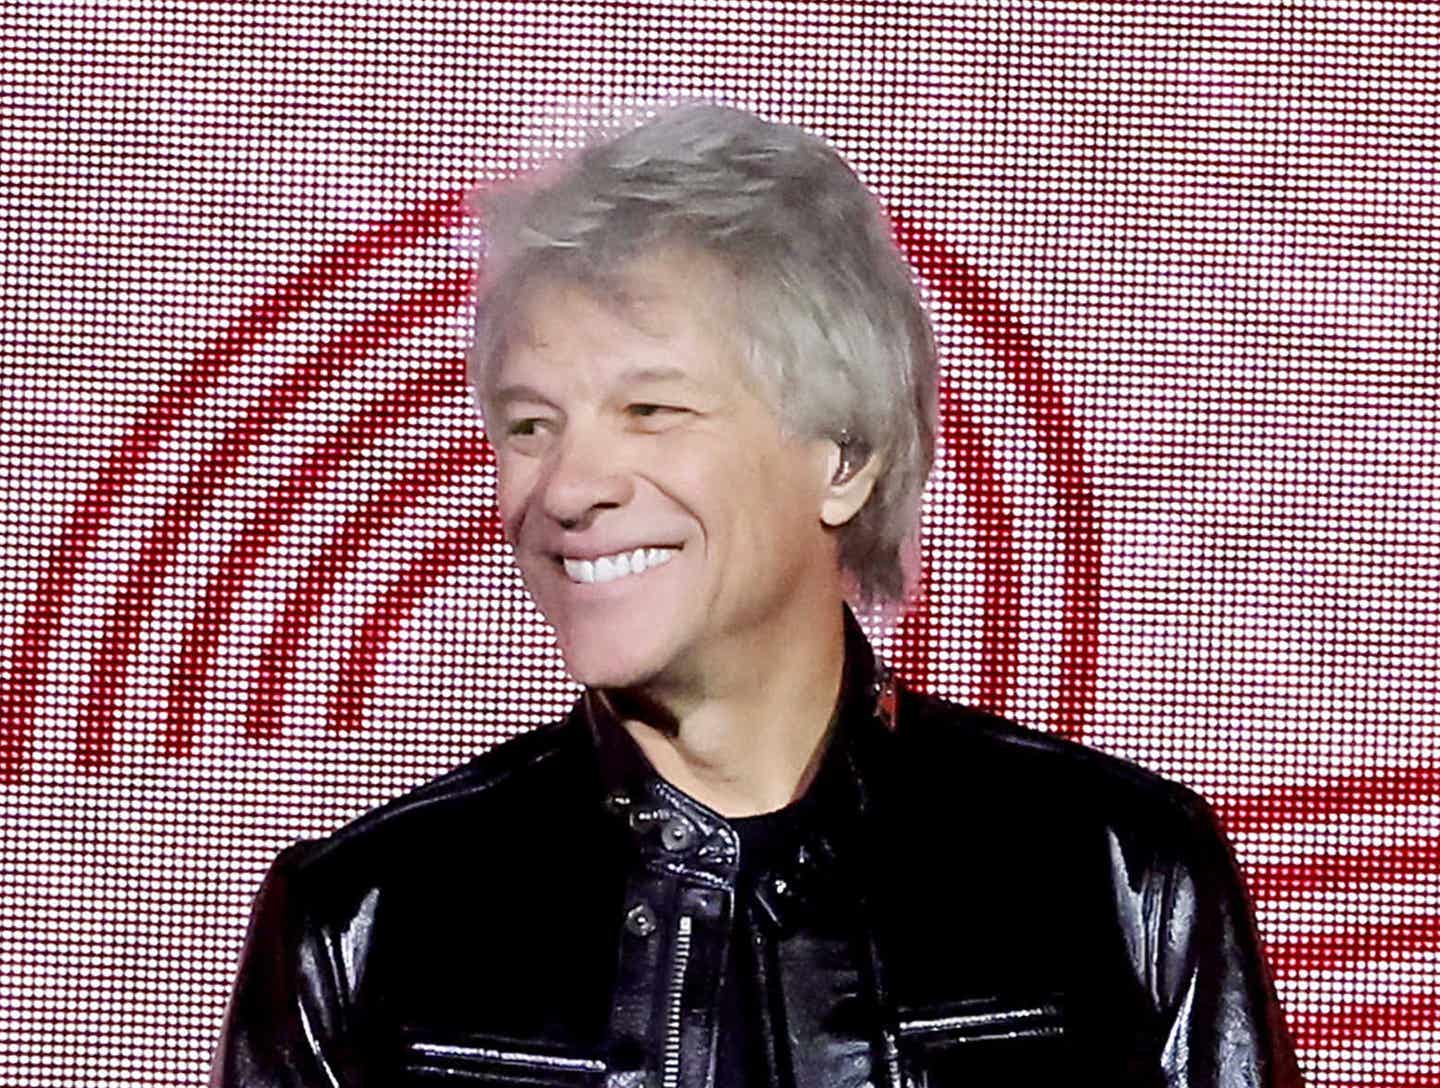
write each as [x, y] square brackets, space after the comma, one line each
[765, 841]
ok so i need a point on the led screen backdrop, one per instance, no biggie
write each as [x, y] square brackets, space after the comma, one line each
[1187, 508]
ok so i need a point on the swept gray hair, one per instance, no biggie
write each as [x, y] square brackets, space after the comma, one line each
[840, 340]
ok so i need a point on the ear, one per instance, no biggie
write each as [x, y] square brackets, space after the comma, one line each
[852, 474]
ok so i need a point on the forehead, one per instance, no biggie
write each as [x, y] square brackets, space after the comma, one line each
[671, 315]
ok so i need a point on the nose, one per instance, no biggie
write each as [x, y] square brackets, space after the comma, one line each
[585, 476]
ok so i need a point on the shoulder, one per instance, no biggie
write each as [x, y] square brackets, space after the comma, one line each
[501, 794]
[1140, 863]
[1041, 779]
[1056, 817]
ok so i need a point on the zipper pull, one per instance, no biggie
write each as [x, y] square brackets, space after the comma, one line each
[891, 1059]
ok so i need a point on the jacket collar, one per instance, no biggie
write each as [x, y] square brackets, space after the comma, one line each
[675, 833]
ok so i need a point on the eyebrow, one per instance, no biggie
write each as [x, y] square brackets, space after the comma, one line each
[509, 394]
[640, 375]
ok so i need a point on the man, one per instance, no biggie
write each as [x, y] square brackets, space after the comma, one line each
[746, 857]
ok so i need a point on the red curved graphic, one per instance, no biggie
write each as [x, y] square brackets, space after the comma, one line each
[989, 507]
[1328, 799]
[974, 463]
[1413, 860]
[122, 632]
[188, 672]
[281, 651]
[1357, 1020]
[1005, 334]
[466, 542]
[1331, 950]
[58, 582]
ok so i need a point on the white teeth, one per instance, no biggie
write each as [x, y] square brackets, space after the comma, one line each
[609, 567]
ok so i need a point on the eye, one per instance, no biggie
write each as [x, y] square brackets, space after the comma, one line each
[645, 410]
[528, 434]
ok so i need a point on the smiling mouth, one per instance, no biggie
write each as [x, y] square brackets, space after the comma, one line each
[607, 568]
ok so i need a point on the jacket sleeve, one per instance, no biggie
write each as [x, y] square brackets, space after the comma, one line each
[283, 1027]
[1225, 1027]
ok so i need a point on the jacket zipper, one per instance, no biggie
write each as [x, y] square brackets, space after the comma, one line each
[671, 1074]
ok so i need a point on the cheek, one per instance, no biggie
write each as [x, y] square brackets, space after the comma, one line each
[789, 479]
[770, 498]
[512, 491]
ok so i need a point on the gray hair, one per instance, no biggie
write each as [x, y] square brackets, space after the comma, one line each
[839, 338]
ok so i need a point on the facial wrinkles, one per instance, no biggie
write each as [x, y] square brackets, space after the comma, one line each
[607, 448]
[722, 481]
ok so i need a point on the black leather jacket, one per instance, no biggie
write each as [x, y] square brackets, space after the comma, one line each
[980, 905]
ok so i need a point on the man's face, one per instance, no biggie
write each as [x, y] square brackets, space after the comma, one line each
[661, 520]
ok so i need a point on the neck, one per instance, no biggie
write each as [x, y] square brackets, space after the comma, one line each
[752, 741]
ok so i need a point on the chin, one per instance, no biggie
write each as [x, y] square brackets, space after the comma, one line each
[603, 665]
[616, 651]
